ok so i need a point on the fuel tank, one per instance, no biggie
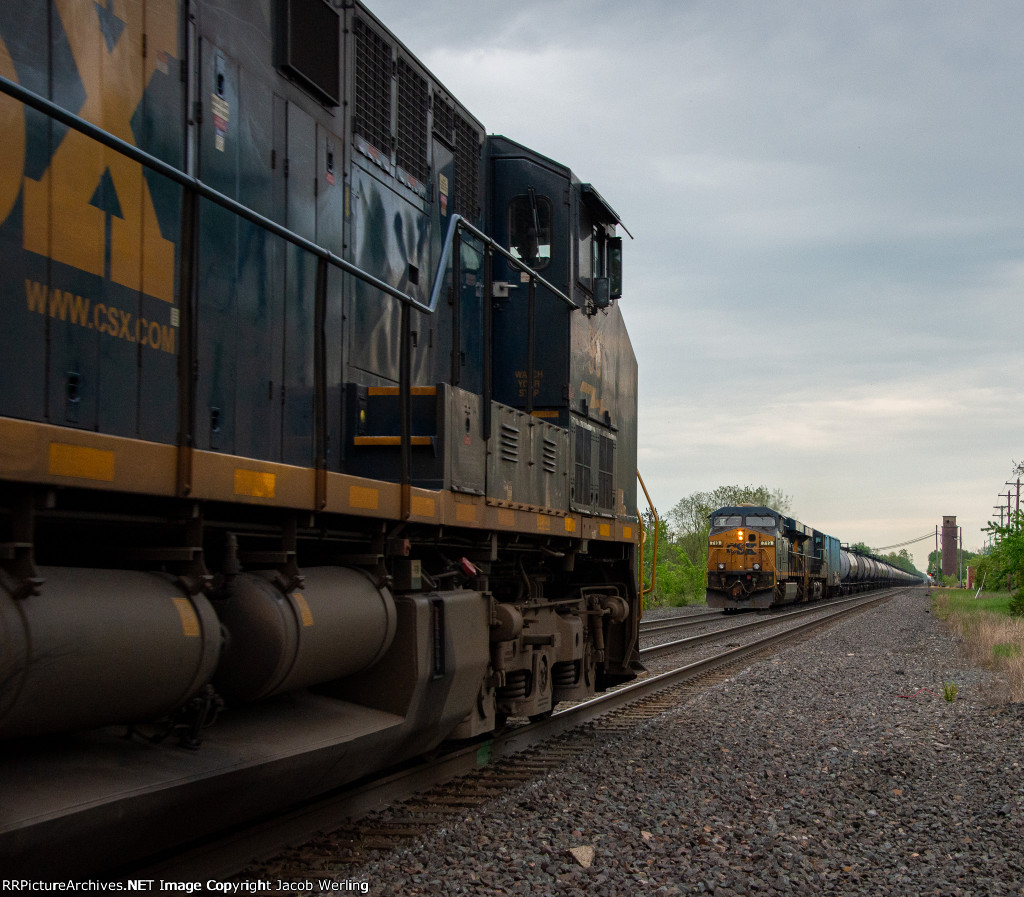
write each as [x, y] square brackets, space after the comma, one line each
[98, 647]
[338, 623]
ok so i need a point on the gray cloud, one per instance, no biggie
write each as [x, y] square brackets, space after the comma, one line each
[825, 288]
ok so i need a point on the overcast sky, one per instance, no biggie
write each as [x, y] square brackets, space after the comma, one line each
[825, 288]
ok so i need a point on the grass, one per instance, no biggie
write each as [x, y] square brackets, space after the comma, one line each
[992, 637]
[953, 600]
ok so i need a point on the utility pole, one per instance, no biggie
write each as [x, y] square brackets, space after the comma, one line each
[1001, 511]
[960, 555]
[1017, 506]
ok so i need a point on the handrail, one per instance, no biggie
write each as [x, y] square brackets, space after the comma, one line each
[41, 104]
[457, 221]
[654, 556]
[195, 187]
[58, 113]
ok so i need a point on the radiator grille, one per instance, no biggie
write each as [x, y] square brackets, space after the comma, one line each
[373, 88]
[411, 139]
[467, 168]
[444, 121]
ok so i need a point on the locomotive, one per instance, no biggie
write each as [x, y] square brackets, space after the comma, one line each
[759, 558]
[317, 420]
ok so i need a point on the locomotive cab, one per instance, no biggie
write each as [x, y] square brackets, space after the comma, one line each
[743, 553]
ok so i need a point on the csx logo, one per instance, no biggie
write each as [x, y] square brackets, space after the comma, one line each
[740, 549]
[91, 208]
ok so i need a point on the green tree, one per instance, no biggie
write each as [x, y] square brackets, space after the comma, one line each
[903, 561]
[689, 516]
[1004, 564]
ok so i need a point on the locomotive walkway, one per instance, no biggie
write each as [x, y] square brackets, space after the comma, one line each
[833, 767]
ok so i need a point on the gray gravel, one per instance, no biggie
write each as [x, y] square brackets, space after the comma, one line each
[821, 771]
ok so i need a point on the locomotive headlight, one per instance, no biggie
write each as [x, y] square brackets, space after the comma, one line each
[721, 566]
[757, 566]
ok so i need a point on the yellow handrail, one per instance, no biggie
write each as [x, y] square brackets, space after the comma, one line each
[643, 538]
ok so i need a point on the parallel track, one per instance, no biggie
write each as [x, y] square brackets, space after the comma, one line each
[761, 622]
[667, 624]
[485, 768]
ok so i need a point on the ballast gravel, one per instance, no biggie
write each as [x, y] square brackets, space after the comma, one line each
[836, 767]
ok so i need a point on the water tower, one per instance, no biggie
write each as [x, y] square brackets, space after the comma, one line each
[949, 531]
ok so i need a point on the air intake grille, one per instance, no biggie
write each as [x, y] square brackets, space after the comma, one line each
[467, 167]
[550, 455]
[508, 445]
[606, 475]
[413, 101]
[373, 88]
[444, 120]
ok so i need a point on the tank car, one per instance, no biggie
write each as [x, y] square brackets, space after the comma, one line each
[759, 558]
[317, 420]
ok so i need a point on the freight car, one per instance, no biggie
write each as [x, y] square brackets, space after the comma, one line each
[317, 420]
[759, 558]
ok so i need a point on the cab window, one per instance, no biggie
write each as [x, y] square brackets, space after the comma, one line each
[760, 520]
[731, 520]
[529, 230]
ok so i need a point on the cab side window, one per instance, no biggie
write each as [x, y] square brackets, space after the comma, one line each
[529, 229]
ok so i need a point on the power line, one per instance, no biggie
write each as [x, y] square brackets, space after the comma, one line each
[930, 535]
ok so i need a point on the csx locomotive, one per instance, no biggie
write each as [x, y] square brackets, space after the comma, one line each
[759, 558]
[317, 420]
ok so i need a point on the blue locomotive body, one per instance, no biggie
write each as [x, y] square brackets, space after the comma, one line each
[317, 413]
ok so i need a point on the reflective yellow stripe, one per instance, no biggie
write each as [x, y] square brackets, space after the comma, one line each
[422, 507]
[80, 461]
[304, 611]
[362, 497]
[189, 620]
[255, 483]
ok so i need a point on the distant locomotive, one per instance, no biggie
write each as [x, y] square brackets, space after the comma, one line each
[759, 558]
[317, 414]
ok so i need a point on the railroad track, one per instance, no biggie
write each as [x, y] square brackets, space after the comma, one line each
[762, 622]
[670, 624]
[389, 811]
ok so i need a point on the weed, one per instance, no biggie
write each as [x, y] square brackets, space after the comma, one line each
[949, 691]
[1006, 651]
[992, 637]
